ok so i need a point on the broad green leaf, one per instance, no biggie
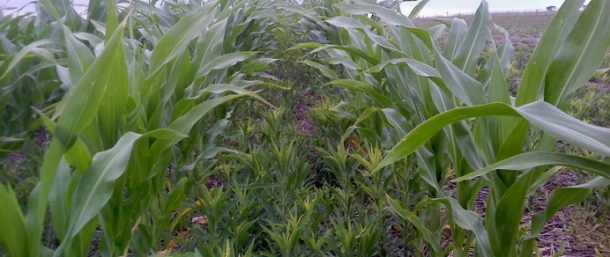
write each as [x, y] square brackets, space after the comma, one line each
[353, 25]
[181, 74]
[78, 155]
[467, 89]
[325, 70]
[543, 179]
[210, 45]
[413, 14]
[79, 106]
[112, 21]
[346, 62]
[111, 111]
[257, 65]
[497, 85]
[418, 67]
[52, 8]
[14, 236]
[472, 46]
[59, 202]
[363, 87]
[428, 169]
[23, 53]
[533, 82]
[547, 117]
[564, 196]
[350, 49]
[397, 121]
[565, 127]
[305, 45]
[426, 130]
[180, 35]
[469, 220]
[506, 51]
[185, 123]
[95, 188]
[514, 141]
[457, 35]
[345, 22]
[34, 219]
[163, 133]
[79, 56]
[580, 54]
[391, 17]
[436, 31]
[504, 226]
[491, 132]
[225, 61]
[534, 159]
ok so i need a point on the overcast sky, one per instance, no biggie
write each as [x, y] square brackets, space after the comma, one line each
[435, 7]
[442, 7]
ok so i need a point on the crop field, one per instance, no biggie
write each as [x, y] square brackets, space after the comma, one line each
[303, 128]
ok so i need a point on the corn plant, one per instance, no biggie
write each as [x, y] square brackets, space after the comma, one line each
[462, 123]
[35, 73]
[161, 142]
[127, 105]
[24, 84]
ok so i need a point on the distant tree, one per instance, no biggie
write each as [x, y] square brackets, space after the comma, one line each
[551, 8]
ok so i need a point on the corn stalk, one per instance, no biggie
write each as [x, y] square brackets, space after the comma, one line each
[460, 121]
[134, 88]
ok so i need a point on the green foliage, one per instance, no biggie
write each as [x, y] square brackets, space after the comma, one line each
[233, 127]
[590, 104]
[427, 95]
[115, 130]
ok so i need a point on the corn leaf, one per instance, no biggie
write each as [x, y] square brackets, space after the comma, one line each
[58, 200]
[533, 82]
[225, 61]
[565, 196]
[173, 43]
[580, 54]
[95, 189]
[531, 160]
[11, 220]
[468, 220]
[474, 42]
[420, 6]
[545, 116]
[79, 56]
[326, 71]
[79, 106]
[23, 53]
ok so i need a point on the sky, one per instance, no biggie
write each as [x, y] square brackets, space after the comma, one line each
[433, 8]
[444, 7]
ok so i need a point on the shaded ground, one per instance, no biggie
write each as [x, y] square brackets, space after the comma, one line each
[303, 122]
